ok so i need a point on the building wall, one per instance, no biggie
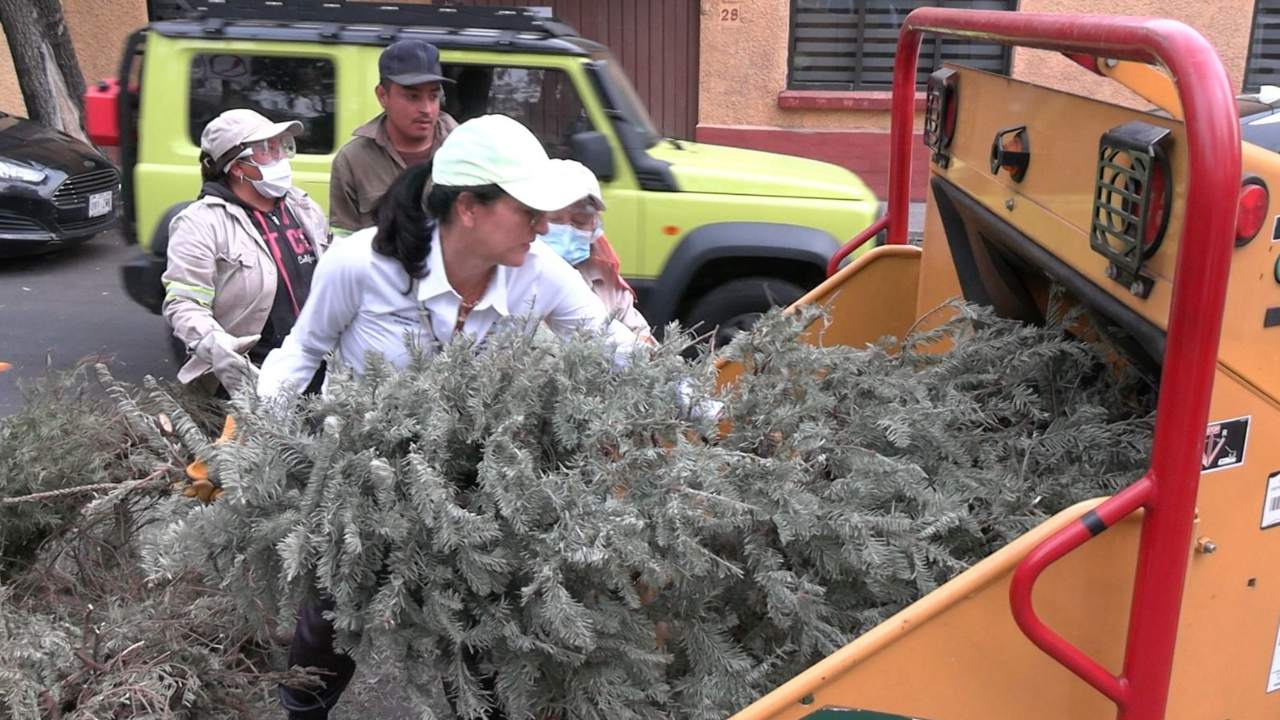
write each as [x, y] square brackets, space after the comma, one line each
[98, 30]
[1225, 23]
[743, 98]
[10, 95]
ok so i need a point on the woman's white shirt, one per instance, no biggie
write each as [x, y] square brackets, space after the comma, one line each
[361, 302]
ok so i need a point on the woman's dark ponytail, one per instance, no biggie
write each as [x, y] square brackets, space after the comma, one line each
[407, 219]
[404, 227]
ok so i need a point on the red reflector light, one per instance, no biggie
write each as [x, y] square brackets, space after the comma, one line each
[1252, 211]
[1157, 205]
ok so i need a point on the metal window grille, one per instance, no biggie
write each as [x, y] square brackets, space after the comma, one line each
[849, 44]
[1263, 64]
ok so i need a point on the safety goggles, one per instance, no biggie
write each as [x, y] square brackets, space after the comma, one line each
[582, 215]
[265, 152]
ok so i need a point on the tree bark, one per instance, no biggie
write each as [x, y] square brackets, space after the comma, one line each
[51, 100]
[64, 51]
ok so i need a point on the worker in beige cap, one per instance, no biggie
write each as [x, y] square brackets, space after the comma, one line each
[241, 257]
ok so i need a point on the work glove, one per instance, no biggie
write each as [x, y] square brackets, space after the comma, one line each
[697, 409]
[201, 488]
[198, 483]
[225, 352]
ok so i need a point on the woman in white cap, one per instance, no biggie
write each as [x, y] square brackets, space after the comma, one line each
[576, 233]
[468, 264]
[241, 257]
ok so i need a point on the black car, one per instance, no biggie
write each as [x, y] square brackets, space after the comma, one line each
[1260, 117]
[55, 190]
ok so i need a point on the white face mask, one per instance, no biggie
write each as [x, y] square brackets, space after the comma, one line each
[277, 178]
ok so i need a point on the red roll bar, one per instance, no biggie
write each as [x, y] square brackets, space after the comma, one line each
[1167, 493]
[858, 241]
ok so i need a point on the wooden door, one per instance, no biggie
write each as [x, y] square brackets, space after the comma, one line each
[655, 40]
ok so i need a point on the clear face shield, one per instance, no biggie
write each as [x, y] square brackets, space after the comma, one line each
[572, 230]
[265, 152]
[582, 215]
[271, 157]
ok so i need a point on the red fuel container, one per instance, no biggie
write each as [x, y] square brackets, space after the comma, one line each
[100, 119]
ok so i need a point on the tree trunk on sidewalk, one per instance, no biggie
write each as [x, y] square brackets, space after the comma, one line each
[45, 63]
[59, 36]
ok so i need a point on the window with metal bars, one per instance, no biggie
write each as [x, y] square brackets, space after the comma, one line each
[849, 44]
[1263, 64]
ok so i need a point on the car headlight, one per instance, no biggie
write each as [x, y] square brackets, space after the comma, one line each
[21, 173]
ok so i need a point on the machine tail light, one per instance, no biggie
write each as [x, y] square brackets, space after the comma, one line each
[1251, 213]
[1011, 152]
[940, 110]
[1131, 201]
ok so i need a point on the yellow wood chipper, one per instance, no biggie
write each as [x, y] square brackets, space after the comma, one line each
[1162, 601]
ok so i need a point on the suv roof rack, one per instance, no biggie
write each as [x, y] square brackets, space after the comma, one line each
[354, 12]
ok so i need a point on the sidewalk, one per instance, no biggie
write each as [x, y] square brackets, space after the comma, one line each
[915, 221]
[915, 224]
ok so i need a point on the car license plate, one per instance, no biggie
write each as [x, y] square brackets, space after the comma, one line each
[99, 204]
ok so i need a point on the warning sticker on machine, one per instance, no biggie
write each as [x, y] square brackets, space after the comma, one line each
[1271, 502]
[1273, 680]
[1224, 444]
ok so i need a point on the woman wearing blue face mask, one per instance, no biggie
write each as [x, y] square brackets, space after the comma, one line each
[576, 233]
[241, 257]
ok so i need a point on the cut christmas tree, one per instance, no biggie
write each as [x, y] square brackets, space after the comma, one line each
[520, 529]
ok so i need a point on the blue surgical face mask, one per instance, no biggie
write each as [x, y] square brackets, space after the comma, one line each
[569, 242]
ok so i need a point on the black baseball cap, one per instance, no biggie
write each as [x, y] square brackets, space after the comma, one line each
[411, 62]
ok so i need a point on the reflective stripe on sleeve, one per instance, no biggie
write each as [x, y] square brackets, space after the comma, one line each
[201, 295]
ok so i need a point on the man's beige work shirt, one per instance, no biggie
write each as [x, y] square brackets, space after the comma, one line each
[364, 168]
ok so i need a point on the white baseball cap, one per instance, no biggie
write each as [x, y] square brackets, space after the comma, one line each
[581, 177]
[241, 126]
[497, 150]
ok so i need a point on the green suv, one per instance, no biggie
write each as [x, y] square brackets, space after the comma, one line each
[706, 234]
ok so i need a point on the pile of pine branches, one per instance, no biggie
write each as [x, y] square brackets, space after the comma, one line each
[85, 633]
[521, 528]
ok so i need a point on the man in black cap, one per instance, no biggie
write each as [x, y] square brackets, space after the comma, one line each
[410, 90]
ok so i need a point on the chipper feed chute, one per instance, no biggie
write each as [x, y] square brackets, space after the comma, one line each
[1162, 601]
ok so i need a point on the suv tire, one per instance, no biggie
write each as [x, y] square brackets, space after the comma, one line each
[736, 305]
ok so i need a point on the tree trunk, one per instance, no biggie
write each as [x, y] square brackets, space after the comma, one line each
[50, 99]
[64, 51]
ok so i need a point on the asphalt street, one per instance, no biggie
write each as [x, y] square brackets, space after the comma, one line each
[63, 308]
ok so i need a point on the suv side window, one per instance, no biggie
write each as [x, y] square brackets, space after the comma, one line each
[281, 88]
[544, 99]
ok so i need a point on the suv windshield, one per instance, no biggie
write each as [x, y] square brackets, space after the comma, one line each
[629, 103]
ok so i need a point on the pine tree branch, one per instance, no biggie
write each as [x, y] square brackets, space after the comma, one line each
[142, 483]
